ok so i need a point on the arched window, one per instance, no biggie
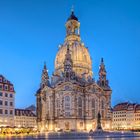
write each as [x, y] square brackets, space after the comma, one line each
[57, 103]
[67, 105]
[79, 102]
[102, 104]
[93, 108]
[102, 114]
[93, 103]
[102, 109]
[48, 106]
[57, 107]
[80, 107]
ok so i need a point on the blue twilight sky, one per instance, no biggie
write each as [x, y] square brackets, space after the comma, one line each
[31, 30]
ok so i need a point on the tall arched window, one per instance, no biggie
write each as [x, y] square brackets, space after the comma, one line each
[57, 107]
[102, 104]
[80, 107]
[48, 106]
[93, 103]
[102, 109]
[67, 105]
[93, 108]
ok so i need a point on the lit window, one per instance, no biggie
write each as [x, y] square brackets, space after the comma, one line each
[81, 124]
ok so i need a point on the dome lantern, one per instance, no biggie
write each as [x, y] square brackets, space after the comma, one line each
[72, 26]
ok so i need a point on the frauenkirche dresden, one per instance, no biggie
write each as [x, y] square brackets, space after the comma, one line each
[71, 99]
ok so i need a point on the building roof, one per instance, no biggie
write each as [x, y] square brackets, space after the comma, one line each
[137, 108]
[72, 16]
[31, 107]
[24, 112]
[121, 106]
[6, 85]
[126, 106]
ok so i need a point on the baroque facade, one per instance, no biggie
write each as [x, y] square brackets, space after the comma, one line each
[25, 118]
[71, 98]
[126, 116]
[7, 102]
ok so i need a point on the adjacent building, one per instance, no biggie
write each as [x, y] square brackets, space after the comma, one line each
[7, 102]
[25, 118]
[32, 108]
[71, 98]
[126, 116]
[9, 116]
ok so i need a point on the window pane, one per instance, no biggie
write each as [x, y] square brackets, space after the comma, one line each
[11, 112]
[1, 102]
[6, 103]
[6, 111]
[1, 112]
[79, 102]
[93, 103]
[67, 106]
[11, 103]
[11, 95]
[6, 94]
[0, 87]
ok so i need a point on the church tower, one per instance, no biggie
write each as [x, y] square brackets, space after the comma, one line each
[44, 77]
[102, 82]
[68, 64]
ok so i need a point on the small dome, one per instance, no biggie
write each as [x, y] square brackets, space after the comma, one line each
[72, 17]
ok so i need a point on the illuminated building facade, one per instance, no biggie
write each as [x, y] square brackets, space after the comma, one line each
[126, 116]
[25, 118]
[71, 98]
[7, 102]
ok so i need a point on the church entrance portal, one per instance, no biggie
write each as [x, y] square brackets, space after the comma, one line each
[67, 126]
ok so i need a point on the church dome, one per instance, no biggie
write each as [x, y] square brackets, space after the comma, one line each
[82, 64]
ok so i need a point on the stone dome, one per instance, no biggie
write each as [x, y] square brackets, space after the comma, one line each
[82, 64]
[80, 56]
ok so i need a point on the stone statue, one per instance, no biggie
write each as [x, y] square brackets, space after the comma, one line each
[99, 127]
